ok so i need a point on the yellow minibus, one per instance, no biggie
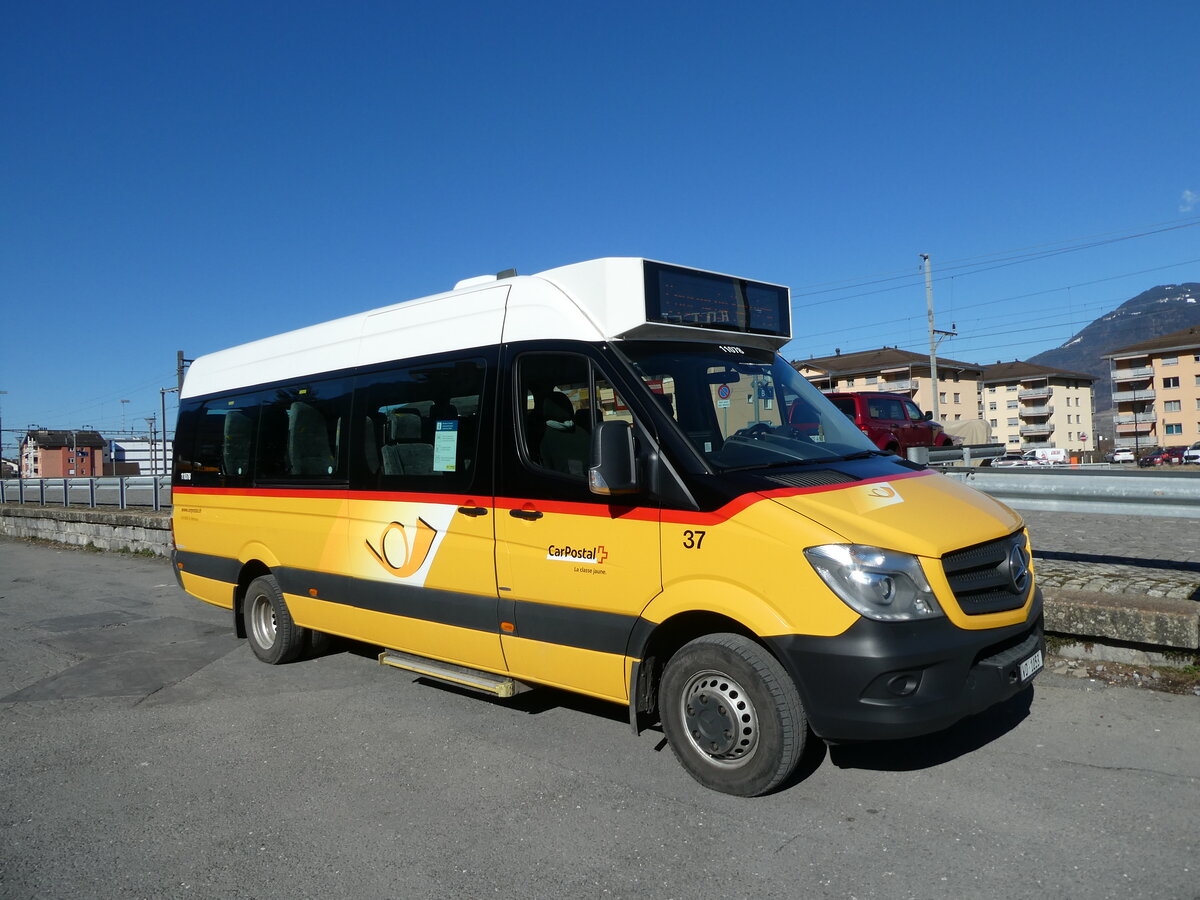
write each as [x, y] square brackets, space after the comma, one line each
[601, 478]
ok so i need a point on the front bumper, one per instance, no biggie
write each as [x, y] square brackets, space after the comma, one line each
[886, 680]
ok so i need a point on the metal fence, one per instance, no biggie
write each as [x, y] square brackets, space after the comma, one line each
[153, 491]
[1050, 488]
[1104, 491]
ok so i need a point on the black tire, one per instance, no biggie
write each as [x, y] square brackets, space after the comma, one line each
[272, 634]
[319, 643]
[732, 715]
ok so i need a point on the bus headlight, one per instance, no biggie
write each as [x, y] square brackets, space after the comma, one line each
[880, 584]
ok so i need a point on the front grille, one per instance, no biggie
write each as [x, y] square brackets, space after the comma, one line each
[813, 478]
[982, 577]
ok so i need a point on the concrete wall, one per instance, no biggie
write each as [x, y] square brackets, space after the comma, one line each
[114, 529]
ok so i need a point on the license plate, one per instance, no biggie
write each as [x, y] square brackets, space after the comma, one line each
[1031, 666]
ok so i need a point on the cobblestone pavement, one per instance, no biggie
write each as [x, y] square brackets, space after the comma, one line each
[1156, 541]
[1149, 556]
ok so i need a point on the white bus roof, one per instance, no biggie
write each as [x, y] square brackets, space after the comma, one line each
[597, 300]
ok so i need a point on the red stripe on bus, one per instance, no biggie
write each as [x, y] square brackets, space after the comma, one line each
[561, 507]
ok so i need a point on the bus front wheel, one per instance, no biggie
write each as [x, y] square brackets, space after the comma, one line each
[273, 636]
[732, 715]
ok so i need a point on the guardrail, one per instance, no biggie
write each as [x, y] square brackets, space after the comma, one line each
[964, 453]
[1056, 489]
[1050, 488]
[123, 491]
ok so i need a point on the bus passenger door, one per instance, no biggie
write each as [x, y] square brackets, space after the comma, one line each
[574, 569]
[422, 534]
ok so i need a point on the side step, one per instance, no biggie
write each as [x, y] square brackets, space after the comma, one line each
[499, 685]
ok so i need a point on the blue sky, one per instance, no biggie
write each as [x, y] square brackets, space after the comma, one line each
[194, 175]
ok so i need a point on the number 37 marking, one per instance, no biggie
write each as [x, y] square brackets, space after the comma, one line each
[693, 539]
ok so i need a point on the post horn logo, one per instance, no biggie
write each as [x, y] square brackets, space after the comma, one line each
[398, 553]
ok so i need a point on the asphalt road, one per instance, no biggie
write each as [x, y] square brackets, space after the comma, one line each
[144, 752]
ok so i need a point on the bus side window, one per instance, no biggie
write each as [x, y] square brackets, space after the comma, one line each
[300, 433]
[419, 427]
[216, 445]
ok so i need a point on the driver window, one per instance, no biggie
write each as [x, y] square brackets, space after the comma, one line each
[561, 398]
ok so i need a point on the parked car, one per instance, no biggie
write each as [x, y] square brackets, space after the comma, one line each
[1009, 459]
[1192, 454]
[1121, 456]
[892, 421]
[1163, 456]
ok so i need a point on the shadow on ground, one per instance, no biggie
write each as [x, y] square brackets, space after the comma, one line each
[931, 750]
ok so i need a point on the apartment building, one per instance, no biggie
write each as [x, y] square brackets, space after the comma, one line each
[1156, 391]
[1031, 406]
[902, 372]
[57, 454]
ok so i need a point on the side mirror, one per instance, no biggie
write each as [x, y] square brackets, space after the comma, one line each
[613, 468]
[927, 415]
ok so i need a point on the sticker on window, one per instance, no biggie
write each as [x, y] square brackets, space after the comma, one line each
[445, 445]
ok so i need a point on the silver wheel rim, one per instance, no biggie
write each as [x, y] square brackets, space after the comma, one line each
[262, 621]
[720, 721]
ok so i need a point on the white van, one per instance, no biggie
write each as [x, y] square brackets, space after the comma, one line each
[1046, 456]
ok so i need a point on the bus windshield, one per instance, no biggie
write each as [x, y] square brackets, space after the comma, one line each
[744, 408]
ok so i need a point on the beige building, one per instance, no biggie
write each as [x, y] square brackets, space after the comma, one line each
[1156, 391]
[1030, 406]
[901, 372]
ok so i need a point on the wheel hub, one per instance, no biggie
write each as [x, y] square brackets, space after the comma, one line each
[262, 619]
[720, 719]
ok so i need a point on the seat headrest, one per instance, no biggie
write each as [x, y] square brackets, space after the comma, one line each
[405, 424]
[558, 411]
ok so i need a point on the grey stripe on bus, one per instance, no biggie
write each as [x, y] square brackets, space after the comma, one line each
[584, 629]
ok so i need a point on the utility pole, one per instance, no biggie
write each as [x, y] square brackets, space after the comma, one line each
[180, 365]
[2, 443]
[933, 376]
[935, 337]
[153, 445]
[162, 399]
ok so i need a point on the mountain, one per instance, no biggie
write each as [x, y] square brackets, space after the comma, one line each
[1158, 311]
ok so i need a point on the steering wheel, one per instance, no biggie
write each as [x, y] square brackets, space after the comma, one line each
[758, 429]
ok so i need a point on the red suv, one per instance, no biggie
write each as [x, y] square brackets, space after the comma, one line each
[892, 421]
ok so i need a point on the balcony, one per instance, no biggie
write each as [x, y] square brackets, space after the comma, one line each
[1036, 445]
[1142, 426]
[1035, 412]
[1132, 374]
[1127, 396]
[1042, 393]
[900, 386]
[1044, 428]
[1134, 418]
[1129, 443]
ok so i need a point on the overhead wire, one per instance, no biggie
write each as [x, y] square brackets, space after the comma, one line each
[975, 265]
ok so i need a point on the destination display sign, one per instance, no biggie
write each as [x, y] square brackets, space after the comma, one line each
[679, 296]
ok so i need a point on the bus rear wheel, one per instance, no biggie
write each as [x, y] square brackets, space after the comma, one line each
[273, 636]
[732, 715]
